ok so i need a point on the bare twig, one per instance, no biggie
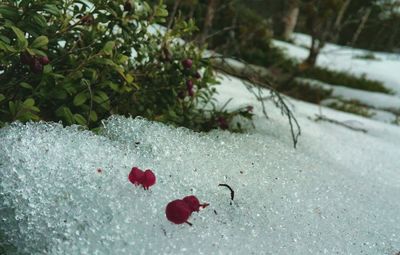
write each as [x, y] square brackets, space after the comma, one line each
[252, 81]
[229, 187]
[324, 118]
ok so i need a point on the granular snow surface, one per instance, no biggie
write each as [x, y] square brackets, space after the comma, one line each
[337, 193]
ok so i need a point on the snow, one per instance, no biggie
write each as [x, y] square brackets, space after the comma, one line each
[374, 99]
[336, 194]
[385, 68]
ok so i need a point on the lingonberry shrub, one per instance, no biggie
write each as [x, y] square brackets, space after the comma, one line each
[81, 61]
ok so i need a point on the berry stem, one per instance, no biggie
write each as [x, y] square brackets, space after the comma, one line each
[204, 205]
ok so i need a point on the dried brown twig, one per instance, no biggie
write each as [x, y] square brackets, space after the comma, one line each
[324, 118]
[253, 79]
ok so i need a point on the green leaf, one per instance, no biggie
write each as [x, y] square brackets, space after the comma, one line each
[160, 11]
[5, 39]
[34, 109]
[104, 61]
[29, 102]
[12, 108]
[80, 99]
[52, 9]
[25, 85]
[26, 116]
[2, 97]
[122, 59]
[22, 42]
[108, 47]
[40, 42]
[36, 52]
[93, 116]
[47, 69]
[102, 99]
[39, 20]
[9, 12]
[129, 78]
[80, 119]
[4, 46]
[59, 94]
[114, 86]
[65, 113]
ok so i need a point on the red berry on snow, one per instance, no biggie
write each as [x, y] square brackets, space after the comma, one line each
[194, 203]
[187, 63]
[149, 179]
[178, 211]
[135, 176]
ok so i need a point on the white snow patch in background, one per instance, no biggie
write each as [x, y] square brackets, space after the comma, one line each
[374, 99]
[337, 193]
[385, 68]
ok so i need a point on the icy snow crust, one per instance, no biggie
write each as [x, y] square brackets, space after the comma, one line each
[330, 196]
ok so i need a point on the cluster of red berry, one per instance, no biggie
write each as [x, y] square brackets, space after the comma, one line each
[187, 65]
[35, 63]
[177, 211]
[138, 177]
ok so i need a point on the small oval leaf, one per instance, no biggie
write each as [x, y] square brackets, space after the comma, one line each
[80, 99]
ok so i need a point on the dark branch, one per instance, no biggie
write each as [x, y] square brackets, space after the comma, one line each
[252, 78]
[324, 118]
[229, 187]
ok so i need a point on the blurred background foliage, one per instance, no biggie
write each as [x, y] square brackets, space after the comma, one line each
[81, 61]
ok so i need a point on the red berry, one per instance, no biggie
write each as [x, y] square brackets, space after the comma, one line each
[192, 202]
[26, 58]
[128, 6]
[87, 20]
[191, 92]
[222, 123]
[149, 179]
[197, 75]
[44, 60]
[187, 63]
[181, 94]
[189, 84]
[36, 66]
[136, 175]
[178, 211]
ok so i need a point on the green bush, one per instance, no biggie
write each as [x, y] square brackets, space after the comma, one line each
[345, 79]
[351, 106]
[305, 92]
[81, 61]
